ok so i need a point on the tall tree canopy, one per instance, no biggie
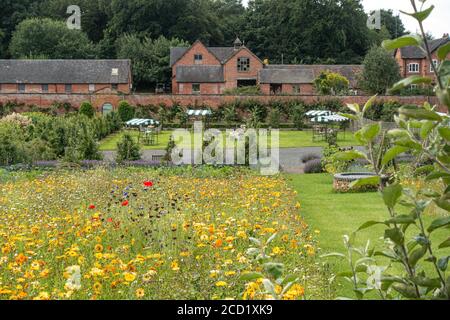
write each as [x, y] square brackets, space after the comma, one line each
[46, 38]
[310, 30]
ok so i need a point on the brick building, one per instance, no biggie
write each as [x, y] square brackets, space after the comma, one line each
[413, 61]
[65, 76]
[211, 70]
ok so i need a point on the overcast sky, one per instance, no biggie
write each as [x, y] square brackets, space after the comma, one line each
[438, 23]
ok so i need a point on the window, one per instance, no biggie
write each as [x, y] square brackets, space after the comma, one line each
[21, 87]
[243, 64]
[296, 89]
[0, 87]
[114, 71]
[44, 88]
[68, 88]
[198, 59]
[91, 87]
[414, 67]
[114, 86]
[436, 63]
[196, 88]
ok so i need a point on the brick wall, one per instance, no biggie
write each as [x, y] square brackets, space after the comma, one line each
[231, 73]
[98, 100]
[61, 88]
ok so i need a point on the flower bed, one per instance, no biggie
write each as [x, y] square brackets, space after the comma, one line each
[342, 182]
[132, 233]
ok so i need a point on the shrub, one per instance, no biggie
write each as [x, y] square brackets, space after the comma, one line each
[126, 111]
[298, 116]
[87, 109]
[17, 119]
[330, 163]
[274, 118]
[309, 157]
[329, 83]
[127, 149]
[313, 166]
[242, 91]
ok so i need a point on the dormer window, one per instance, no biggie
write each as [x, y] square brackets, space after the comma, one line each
[243, 64]
[198, 59]
[414, 68]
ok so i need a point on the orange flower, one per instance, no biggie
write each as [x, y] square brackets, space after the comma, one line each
[21, 258]
[218, 243]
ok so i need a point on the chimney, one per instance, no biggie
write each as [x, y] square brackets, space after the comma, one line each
[237, 44]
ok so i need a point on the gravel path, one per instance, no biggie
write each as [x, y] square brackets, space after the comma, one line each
[290, 158]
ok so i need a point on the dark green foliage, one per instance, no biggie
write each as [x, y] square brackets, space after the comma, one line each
[126, 111]
[329, 83]
[127, 149]
[274, 118]
[380, 71]
[383, 111]
[87, 109]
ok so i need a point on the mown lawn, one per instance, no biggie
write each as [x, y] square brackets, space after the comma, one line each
[288, 139]
[338, 214]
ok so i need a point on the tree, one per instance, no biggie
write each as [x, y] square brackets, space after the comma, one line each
[380, 71]
[151, 58]
[126, 111]
[52, 39]
[329, 83]
[307, 30]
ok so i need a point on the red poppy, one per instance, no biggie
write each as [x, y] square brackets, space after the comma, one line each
[148, 184]
[109, 220]
[125, 203]
[91, 207]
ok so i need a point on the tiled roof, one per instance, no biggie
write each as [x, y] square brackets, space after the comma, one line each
[65, 71]
[297, 74]
[221, 53]
[413, 52]
[200, 74]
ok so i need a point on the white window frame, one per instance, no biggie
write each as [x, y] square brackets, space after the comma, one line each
[91, 87]
[413, 70]
[198, 58]
[436, 63]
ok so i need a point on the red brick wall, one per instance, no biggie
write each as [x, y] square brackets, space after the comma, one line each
[205, 88]
[191, 100]
[232, 75]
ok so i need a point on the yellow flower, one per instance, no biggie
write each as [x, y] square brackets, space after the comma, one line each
[129, 276]
[97, 286]
[98, 248]
[42, 296]
[174, 266]
[221, 284]
[140, 293]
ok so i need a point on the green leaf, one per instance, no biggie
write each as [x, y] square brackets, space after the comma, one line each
[443, 204]
[370, 131]
[391, 194]
[439, 223]
[426, 128]
[408, 143]
[443, 51]
[422, 15]
[349, 155]
[349, 116]
[369, 104]
[416, 255]
[268, 285]
[289, 278]
[370, 181]
[437, 175]
[274, 269]
[420, 113]
[398, 133]
[443, 263]
[445, 244]
[334, 254]
[392, 153]
[405, 41]
[395, 235]
[369, 224]
[444, 132]
[354, 107]
[251, 276]
[409, 81]
[407, 291]
[427, 282]
[402, 219]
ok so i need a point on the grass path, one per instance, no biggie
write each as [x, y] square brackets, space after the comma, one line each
[288, 139]
[338, 214]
